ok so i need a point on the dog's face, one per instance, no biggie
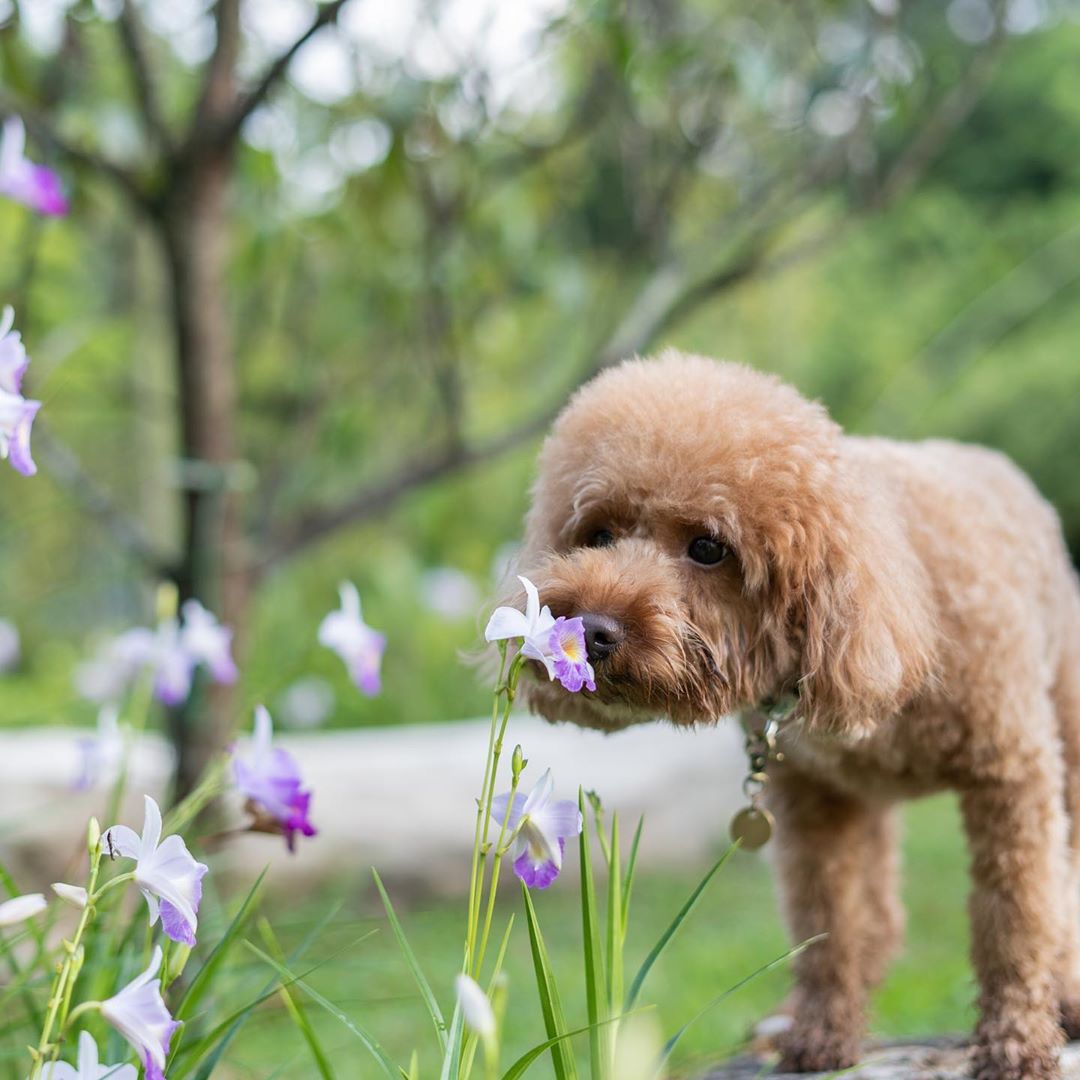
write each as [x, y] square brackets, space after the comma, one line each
[693, 514]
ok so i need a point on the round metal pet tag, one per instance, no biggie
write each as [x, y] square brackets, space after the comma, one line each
[753, 827]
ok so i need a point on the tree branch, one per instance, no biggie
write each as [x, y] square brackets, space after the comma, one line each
[137, 50]
[229, 128]
[64, 467]
[668, 294]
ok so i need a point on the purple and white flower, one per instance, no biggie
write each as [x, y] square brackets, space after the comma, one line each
[20, 908]
[102, 754]
[172, 652]
[32, 185]
[207, 642]
[270, 782]
[109, 674]
[360, 647]
[139, 1013]
[166, 873]
[539, 828]
[88, 1067]
[559, 644]
[16, 412]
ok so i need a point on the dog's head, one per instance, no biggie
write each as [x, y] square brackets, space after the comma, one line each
[702, 520]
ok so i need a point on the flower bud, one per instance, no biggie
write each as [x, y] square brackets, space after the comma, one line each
[167, 601]
[518, 763]
[178, 959]
[93, 837]
[75, 895]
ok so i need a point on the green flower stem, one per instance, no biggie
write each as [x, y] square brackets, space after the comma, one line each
[64, 983]
[473, 948]
[120, 879]
[79, 1010]
[474, 873]
[501, 846]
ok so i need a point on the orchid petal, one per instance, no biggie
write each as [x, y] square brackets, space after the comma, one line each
[122, 842]
[20, 908]
[151, 832]
[506, 622]
[499, 807]
[540, 794]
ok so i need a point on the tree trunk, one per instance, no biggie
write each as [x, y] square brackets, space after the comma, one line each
[194, 233]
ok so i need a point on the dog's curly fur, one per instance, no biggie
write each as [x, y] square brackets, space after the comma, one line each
[920, 600]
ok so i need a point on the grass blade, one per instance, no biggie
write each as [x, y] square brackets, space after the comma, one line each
[293, 1008]
[562, 1057]
[590, 936]
[628, 881]
[530, 1056]
[410, 958]
[205, 977]
[614, 938]
[669, 1046]
[673, 926]
[451, 1066]
[369, 1042]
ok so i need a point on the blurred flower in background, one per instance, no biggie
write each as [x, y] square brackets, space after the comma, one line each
[16, 412]
[32, 185]
[306, 703]
[10, 647]
[269, 779]
[449, 592]
[171, 652]
[360, 648]
[101, 755]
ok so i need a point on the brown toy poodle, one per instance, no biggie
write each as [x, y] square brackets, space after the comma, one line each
[726, 544]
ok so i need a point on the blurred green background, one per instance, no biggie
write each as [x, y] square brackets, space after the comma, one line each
[437, 221]
[445, 216]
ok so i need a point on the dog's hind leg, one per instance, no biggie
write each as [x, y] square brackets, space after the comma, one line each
[827, 844]
[1066, 696]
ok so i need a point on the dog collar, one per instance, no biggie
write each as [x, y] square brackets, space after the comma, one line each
[752, 826]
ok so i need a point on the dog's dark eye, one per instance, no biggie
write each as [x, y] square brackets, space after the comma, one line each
[707, 551]
[601, 538]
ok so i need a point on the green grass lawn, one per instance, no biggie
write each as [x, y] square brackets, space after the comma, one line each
[734, 931]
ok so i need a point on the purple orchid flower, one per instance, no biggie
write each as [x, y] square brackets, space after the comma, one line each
[569, 657]
[559, 644]
[207, 642]
[270, 782]
[139, 1013]
[540, 828]
[360, 647]
[167, 874]
[32, 185]
[16, 412]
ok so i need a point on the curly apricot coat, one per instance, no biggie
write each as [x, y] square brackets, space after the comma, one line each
[920, 601]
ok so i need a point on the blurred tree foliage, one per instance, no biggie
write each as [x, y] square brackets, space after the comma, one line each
[441, 218]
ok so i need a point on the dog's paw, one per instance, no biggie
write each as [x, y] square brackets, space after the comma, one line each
[1018, 1052]
[808, 1049]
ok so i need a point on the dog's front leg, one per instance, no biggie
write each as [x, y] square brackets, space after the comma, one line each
[824, 842]
[1016, 831]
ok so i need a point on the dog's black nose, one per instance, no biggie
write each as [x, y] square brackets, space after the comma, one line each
[603, 635]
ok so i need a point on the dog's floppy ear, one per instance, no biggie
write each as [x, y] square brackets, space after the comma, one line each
[866, 619]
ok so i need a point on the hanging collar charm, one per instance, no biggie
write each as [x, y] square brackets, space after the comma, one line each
[752, 826]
